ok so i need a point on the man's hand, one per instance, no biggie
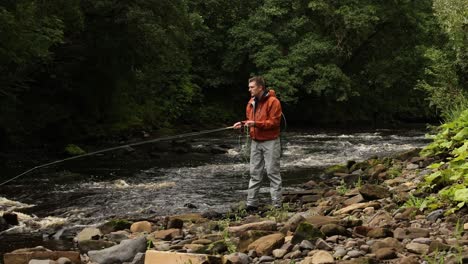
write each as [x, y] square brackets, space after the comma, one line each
[249, 124]
[237, 125]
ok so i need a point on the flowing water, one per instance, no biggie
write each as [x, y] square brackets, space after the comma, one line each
[132, 186]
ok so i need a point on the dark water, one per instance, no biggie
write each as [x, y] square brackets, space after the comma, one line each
[133, 185]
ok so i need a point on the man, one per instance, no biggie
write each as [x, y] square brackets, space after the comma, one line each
[263, 121]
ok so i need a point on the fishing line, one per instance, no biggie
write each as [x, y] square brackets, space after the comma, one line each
[120, 147]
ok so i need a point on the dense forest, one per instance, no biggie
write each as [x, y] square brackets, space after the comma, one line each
[76, 70]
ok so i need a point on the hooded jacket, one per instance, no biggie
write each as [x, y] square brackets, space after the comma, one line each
[266, 112]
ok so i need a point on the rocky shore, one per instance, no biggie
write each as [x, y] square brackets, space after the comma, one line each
[361, 212]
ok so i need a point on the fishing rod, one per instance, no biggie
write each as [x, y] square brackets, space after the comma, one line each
[121, 147]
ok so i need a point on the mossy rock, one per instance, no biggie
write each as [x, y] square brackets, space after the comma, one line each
[360, 165]
[115, 225]
[306, 231]
[74, 150]
[336, 168]
[217, 247]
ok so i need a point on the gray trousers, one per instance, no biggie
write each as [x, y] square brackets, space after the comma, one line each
[265, 155]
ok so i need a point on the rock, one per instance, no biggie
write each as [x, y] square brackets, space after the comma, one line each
[115, 225]
[159, 257]
[3, 224]
[417, 248]
[246, 238]
[437, 246]
[362, 230]
[175, 223]
[139, 258]
[123, 252]
[161, 245]
[306, 245]
[89, 233]
[88, 245]
[380, 219]
[195, 248]
[380, 232]
[11, 218]
[321, 244]
[320, 220]
[411, 233]
[63, 260]
[217, 247]
[264, 225]
[142, 226]
[333, 229]
[212, 215]
[354, 200]
[279, 253]
[373, 192]
[411, 166]
[407, 154]
[118, 236]
[192, 218]
[319, 257]
[340, 252]
[202, 241]
[355, 253]
[167, 234]
[389, 242]
[265, 245]
[293, 222]
[369, 210]
[386, 253]
[236, 258]
[266, 259]
[376, 170]
[465, 226]
[434, 215]
[25, 257]
[409, 260]
[310, 185]
[41, 261]
[422, 240]
[306, 231]
[34, 249]
[353, 207]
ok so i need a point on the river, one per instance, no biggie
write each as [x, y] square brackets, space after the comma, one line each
[126, 184]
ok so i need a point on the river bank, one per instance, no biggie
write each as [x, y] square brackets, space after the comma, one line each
[364, 212]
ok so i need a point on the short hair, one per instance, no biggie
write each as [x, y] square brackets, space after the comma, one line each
[258, 81]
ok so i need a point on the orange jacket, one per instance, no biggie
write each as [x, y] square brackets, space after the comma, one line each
[266, 112]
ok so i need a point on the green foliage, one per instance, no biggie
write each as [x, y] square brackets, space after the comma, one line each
[224, 225]
[278, 214]
[450, 177]
[445, 77]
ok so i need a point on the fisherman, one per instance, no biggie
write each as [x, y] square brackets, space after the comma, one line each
[263, 121]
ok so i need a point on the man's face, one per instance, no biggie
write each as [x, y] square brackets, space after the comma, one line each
[255, 90]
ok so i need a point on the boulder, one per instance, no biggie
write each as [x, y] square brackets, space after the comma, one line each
[417, 248]
[411, 233]
[89, 233]
[306, 231]
[319, 257]
[124, 252]
[236, 258]
[386, 253]
[139, 258]
[175, 223]
[380, 232]
[159, 257]
[374, 192]
[88, 245]
[333, 229]
[25, 257]
[264, 225]
[246, 238]
[388, 242]
[265, 245]
[11, 218]
[167, 234]
[142, 226]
